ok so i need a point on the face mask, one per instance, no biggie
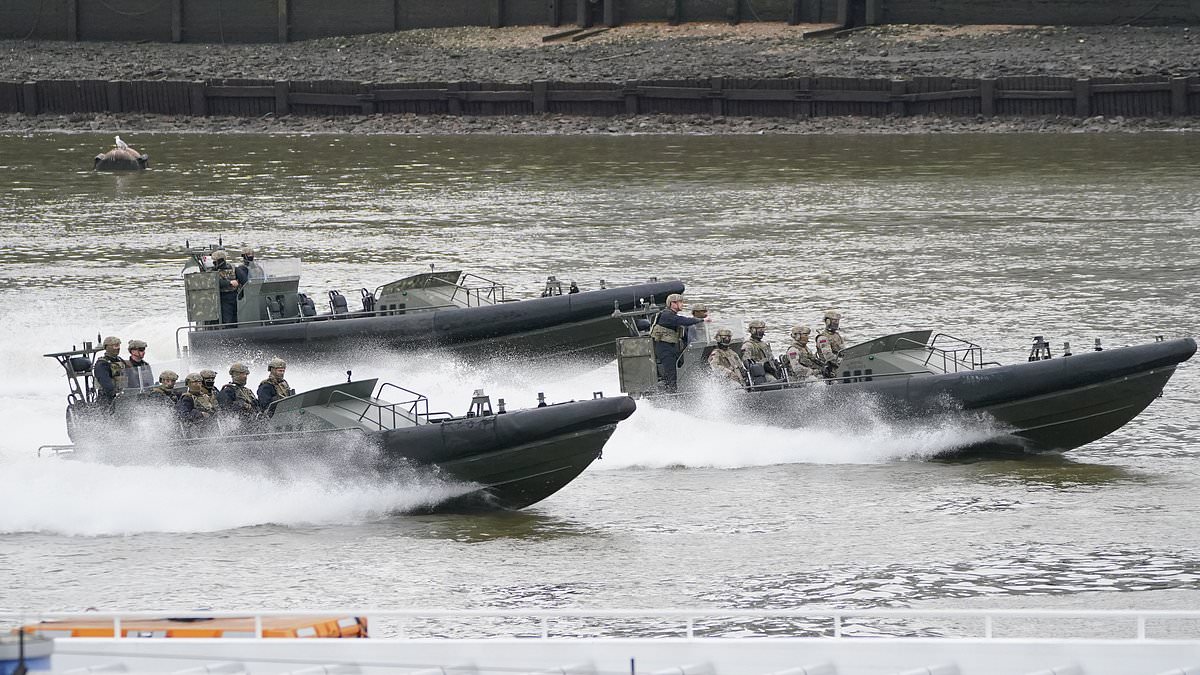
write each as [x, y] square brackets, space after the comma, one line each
[248, 258]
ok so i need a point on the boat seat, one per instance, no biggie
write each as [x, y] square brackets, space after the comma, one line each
[307, 306]
[338, 304]
[368, 300]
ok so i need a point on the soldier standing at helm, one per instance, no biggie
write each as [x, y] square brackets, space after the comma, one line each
[668, 333]
[164, 391]
[800, 361]
[138, 374]
[109, 371]
[274, 387]
[724, 360]
[228, 285]
[197, 409]
[757, 350]
[830, 343]
[236, 397]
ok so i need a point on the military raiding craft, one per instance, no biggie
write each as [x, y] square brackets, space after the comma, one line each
[451, 310]
[1042, 405]
[502, 459]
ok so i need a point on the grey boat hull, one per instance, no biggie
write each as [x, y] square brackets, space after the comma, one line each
[579, 326]
[1039, 406]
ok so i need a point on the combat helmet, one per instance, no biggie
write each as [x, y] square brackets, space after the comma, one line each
[799, 330]
[137, 344]
[193, 377]
[833, 314]
[208, 374]
[112, 341]
[276, 363]
[239, 368]
[218, 255]
[724, 336]
[168, 375]
[758, 328]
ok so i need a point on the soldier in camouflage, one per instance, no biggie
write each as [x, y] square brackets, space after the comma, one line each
[138, 374]
[756, 349]
[209, 378]
[197, 409]
[237, 398]
[830, 343]
[725, 361]
[800, 361]
[165, 389]
[274, 387]
[109, 370]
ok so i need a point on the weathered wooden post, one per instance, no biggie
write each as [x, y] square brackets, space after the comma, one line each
[112, 93]
[1179, 96]
[497, 13]
[539, 96]
[199, 100]
[454, 98]
[987, 98]
[874, 12]
[282, 17]
[734, 13]
[718, 96]
[176, 20]
[795, 16]
[29, 98]
[675, 14]
[612, 13]
[804, 105]
[555, 9]
[631, 98]
[73, 20]
[282, 88]
[843, 13]
[1083, 98]
[899, 106]
[583, 13]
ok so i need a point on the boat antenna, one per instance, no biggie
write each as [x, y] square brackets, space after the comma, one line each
[347, 376]
[220, 244]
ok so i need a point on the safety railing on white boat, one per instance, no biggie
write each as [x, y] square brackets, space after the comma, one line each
[1125, 625]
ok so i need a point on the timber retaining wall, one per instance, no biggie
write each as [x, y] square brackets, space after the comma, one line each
[794, 97]
[285, 20]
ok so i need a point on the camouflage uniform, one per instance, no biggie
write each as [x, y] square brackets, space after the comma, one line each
[726, 361]
[273, 388]
[197, 410]
[757, 350]
[109, 371]
[163, 391]
[237, 398]
[801, 362]
[830, 342]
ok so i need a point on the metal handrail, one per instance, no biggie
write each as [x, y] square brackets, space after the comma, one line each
[379, 407]
[837, 617]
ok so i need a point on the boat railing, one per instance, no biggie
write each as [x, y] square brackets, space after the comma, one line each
[954, 354]
[486, 292]
[408, 413]
[1118, 625]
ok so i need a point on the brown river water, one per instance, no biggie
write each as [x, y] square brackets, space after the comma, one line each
[994, 238]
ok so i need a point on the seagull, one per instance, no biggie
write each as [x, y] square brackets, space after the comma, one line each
[122, 144]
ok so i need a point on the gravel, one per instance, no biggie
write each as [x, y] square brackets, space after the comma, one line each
[634, 52]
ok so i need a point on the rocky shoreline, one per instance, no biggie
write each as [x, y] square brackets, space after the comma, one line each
[634, 52]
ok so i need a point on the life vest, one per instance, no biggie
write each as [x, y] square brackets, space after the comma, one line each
[728, 362]
[281, 387]
[756, 350]
[660, 333]
[242, 396]
[202, 402]
[228, 273]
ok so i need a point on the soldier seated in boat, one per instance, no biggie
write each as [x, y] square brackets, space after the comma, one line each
[236, 398]
[138, 374]
[197, 409]
[830, 343]
[756, 350]
[799, 360]
[110, 372]
[164, 391]
[274, 387]
[725, 361]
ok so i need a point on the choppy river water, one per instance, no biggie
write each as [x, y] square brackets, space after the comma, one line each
[993, 238]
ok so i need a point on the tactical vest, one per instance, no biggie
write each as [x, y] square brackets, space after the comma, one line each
[829, 344]
[281, 387]
[728, 362]
[800, 360]
[163, 389]
[116, 367]
[756, 350]
[242, 394]
[228, 273]
[202, 402]
[660, 333]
